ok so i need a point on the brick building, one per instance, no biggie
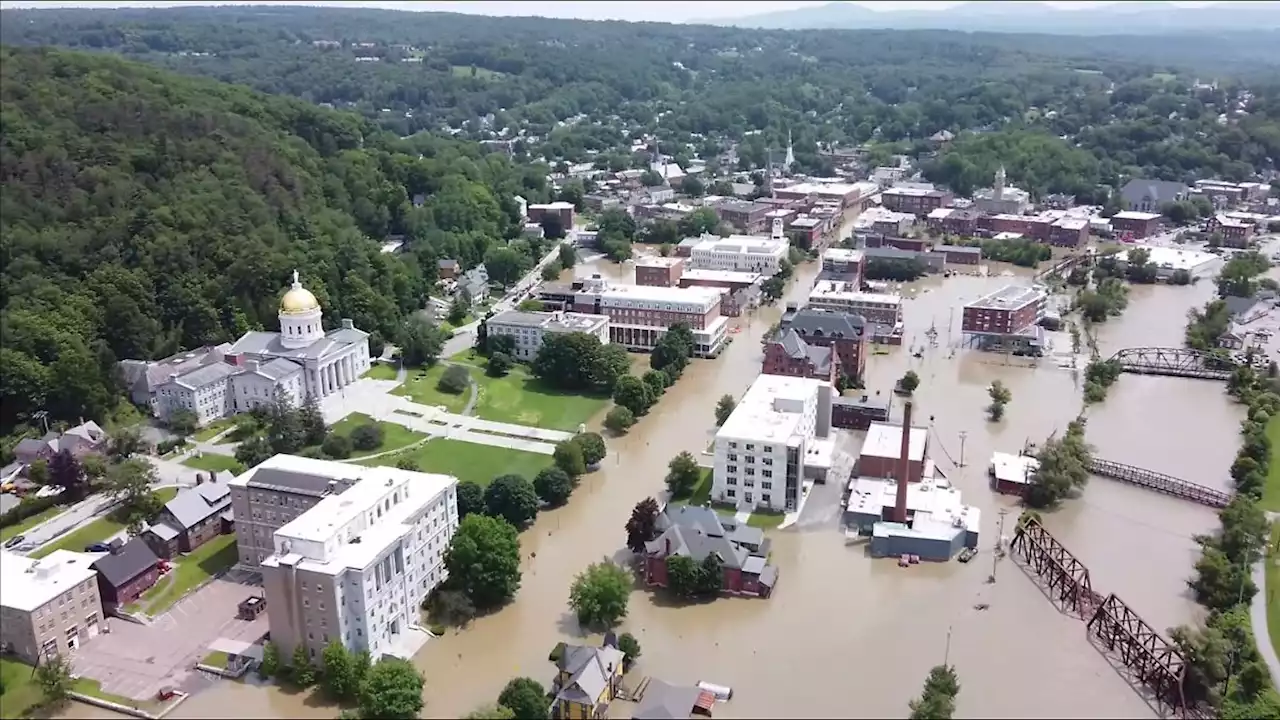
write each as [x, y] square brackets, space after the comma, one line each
[917, 201]
[789, 354]
[657, 271]
[844, 332]
[1135, 224]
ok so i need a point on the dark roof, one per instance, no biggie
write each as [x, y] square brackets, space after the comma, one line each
[891, 253]
[293, 481]
[821, 322]
[962, 249]
[798, 349]
[131, 560]
[664, 701]
[698, 531]
[1160, 191]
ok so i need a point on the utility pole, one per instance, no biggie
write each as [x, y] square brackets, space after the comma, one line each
[946, 654]
[963, 435]
[995, 555]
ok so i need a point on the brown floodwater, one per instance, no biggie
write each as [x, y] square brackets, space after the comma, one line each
[844, 635]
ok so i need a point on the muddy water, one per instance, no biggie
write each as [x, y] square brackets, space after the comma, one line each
[845, 636]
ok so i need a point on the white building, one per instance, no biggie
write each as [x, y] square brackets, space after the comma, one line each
[776, 437]
[743, 253]
[48, 606]
[639, 315]
[301, 361]
[1169, 260]
[883, 308]
[357, 566]
[1000, 199]
[529, 328]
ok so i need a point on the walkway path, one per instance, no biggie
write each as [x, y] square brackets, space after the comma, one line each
[1258, 613]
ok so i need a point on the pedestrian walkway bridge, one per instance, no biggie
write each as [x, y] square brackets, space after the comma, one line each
[1161, 483]
[1173, 362]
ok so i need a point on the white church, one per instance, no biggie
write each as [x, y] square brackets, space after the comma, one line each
[302, 360]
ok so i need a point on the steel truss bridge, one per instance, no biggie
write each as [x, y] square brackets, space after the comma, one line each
[1173, 362]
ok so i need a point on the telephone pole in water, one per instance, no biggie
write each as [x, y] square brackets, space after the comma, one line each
[999, 549]
[963, 435]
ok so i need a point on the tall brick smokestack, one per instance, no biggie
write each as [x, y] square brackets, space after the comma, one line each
[904, 466]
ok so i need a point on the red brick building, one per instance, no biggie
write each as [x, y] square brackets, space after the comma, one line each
[882, 452]
[954, 221]
[1135, 224]
[1069, 232]
[959, 254]
[1007, 311]
[129, 570]
[790, 355]
[845, 333]
[563, 210]
[917, 201]
[697, 532]
[1235, 233]
[912, 244]
[659, 271]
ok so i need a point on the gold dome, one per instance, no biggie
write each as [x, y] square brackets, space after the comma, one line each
[298, 300]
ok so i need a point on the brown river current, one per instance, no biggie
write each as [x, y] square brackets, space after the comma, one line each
[843, 635]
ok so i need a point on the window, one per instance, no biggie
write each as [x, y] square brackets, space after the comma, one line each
[731, 481]
[730, 493]
[767, 473]
[751, 459]
[733, 468]
[751, 471]
[751, 446]
[765, 498]
[766, 486]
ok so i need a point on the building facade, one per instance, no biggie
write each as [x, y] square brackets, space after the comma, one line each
[49, 606]
[301, 361]
[743, 253]
[656, 271]
[916, 201]
[697, 532]
[1007, 311]
[762, 449]
[790, 355]
[529, 328]
[639, 316]
[1135, 223]
[357, 566]
[845, 333]
[883, 308]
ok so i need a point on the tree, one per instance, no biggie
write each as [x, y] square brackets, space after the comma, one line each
[65, 472]
[54, 678]
[683, 576]
[568, 257]
[710, 580]
[450, 607]
[937, 700]
[599, 595]
[569, 361]
[657, 381]
[499, 364]
[126, 443]
[512, 498]
[526, 698]
[254, 451]
[505, 265]
[458, 310]
[619, 419]
[131, 484]
[610, 363]
[633, 394]
[492, 712]
[593, 447]
[301, 671]
[38, 472]
[337, 446]
[553, 485]
[285, 432]
[642, 526]
[673, 350]
[909, 382]
[692, 186]
[1000, 396]
[339, 672]
[392, 690]
[724, 408]
[773, 288]
[683, 474]
[314, 430]
[94, 467]
[551, 272]
[454, 380]
[368, 436]
[183, 422]
[568, 457]
[630, 648]
[270, 664]
[420, 341]
[1064, 467]
[483, 560]
[470, 498]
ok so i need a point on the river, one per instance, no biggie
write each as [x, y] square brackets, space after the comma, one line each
[843, 635]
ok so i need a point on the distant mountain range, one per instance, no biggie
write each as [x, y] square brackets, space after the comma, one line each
[1121, 18]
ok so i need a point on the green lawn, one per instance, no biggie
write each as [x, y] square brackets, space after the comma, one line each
[469, 461]
[207, 433]
[524, 400]
[93, 688]
[21, 693]
[214, 463]
[189, 571]
[217, 659]
[394, 436]
[420, 387]
[450, 327]
[765, 520]
[381, 371]
[25, 525]
[96, 531]
[1271, 493]
[701, 492]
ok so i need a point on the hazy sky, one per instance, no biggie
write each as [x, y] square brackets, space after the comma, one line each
[581, 9]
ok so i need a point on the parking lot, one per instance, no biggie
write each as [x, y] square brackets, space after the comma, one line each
[136, 661]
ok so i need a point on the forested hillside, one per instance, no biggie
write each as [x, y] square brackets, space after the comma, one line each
[142, 212]
[575, 91]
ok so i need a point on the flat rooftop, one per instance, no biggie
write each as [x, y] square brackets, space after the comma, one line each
[1013, 468]
[654, 293]
[771, 410]
[841, 255]
[1009, 297]
[550, 321]
[1170, 257]
[27, 583]
[657, 261]
[846, 291]
[884, 440]
[743, 245]
[1135, 215]
[729, 276]
[834, 189]
[915, 192]
[937, 498]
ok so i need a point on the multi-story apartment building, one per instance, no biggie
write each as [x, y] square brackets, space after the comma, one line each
[48, 607]
[763, 449]
[744, 215]
[744, 253]
[954, 221]
[357, 566]
[529, 328]
[1235, 232]
[659, 271]
[741, 290]
[882, 308]
[914, 200]
[1007, 311]
[639, 315]
[844, 265]
[1136, 224]
[273, 493]
[562, 210]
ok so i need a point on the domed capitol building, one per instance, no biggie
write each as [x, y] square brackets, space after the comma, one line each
[302, 360]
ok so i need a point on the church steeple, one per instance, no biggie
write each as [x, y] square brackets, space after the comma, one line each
[999, 186]
[791, 155]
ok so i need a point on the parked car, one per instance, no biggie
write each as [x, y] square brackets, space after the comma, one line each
[16, 539]
[97, 547]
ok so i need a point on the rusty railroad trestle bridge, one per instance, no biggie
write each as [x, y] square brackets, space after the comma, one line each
[1153, 662]
[1173, 362]
[1161, 483]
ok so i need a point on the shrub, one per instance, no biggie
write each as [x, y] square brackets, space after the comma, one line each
[367, 437]
[337, 447]
[619, 419]
[454, 380]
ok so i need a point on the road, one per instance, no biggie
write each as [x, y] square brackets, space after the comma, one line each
[168, 474]
[464, 338]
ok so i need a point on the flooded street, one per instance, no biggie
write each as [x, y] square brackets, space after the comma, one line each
[843, 635]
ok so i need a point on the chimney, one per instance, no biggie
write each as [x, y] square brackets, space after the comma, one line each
[904, 466]
[173, 377]
[668, 546]
[348, 324]
[199, 478]
[251, 365]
